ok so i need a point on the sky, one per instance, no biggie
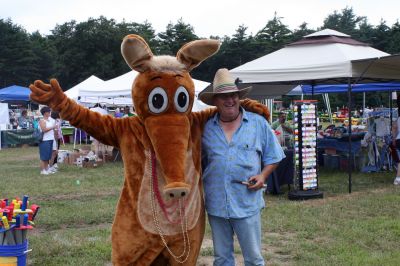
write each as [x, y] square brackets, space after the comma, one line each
[208, 17]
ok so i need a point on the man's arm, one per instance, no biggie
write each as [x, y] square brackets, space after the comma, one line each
[287, 128]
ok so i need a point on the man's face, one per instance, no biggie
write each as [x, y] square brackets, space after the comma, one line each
[282, 118]
[227, 104]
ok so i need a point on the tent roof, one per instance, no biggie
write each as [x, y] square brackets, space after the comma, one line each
[337, 88]
[122, 86]
[15, 93]
[117, 91]
[327, 32]
[91, 82]
[327, 62]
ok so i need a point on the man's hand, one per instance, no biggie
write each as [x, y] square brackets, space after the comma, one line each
[256, 182]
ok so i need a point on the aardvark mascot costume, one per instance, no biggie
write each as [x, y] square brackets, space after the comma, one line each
[160, 216]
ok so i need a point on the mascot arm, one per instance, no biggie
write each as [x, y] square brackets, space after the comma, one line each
[255, 107]
[200, 118]
[102, 127]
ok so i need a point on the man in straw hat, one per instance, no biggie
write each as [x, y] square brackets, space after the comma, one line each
[239, 152]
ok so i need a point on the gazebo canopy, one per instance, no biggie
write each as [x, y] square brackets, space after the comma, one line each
[323, 57]
[15, 93]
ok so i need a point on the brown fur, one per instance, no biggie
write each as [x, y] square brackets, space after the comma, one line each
[175, 139]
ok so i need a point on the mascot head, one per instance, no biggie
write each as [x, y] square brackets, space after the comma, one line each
[163, 95]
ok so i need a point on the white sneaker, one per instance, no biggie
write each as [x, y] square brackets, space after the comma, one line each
[397, 181]
[51, 170]
[44, 172]
[55, 166]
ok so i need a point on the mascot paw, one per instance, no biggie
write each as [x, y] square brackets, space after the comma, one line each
[255, 107]
[48, 94]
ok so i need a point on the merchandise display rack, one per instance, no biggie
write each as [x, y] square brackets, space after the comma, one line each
[305, 149]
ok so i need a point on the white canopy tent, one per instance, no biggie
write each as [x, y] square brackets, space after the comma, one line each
[324, 57]
[94, 83]
[119, 90]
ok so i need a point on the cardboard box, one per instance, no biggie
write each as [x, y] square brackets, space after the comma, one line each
[92, 164]
[72, 157]
[85, 148]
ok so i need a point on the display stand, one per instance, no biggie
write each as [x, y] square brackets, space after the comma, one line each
[305, 147]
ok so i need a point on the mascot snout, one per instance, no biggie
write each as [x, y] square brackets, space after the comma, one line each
[169, 135]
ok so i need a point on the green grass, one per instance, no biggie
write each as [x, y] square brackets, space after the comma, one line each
[74, 223]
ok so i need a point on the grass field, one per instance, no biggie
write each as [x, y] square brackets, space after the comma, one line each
[77, 208]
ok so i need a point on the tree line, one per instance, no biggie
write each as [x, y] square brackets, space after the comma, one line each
[74, 51]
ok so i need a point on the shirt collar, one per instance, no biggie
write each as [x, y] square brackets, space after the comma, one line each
[245, 117]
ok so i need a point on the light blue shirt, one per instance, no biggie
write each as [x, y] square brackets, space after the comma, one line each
[253, 146]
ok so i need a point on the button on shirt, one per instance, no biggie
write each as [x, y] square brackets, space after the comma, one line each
[253, 146]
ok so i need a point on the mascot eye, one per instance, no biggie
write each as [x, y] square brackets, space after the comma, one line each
[158, 100]
[181, 99]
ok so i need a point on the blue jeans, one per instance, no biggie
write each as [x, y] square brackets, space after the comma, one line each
[248, 232]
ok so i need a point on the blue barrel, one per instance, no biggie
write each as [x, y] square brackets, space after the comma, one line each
[14, 254]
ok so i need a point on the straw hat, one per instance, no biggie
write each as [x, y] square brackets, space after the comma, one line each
[223, 83]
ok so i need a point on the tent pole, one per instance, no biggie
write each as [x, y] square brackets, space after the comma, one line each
[363, 110]
[350, 158]
[390, 110]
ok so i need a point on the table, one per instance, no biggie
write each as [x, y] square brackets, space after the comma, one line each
[339, 145]
[17, 137]
[282, 175]
[67, 131]
[72, 134]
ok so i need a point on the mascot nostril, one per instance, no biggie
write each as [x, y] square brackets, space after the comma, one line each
[160, 215]
[177, 192]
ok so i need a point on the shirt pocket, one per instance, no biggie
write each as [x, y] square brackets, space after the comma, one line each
[248, 157]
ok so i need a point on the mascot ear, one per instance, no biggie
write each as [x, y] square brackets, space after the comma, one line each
[136, 52]
[195, 52]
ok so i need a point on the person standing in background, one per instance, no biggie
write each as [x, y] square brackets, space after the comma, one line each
[47, 126]
[396, 141]
[284, 128]
[57, 141]
[24, 121]
[127, 112]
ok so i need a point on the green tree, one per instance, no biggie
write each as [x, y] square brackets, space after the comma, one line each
[302, 31]
[273, 36]
[175, 36]
[381, 36]
[89, 48]
[393, 45]
[366, 32]
[17, 60]
[145, 30]
[345, 21]
[44, 53]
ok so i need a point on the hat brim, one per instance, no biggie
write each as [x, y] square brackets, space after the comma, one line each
[207, 97]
